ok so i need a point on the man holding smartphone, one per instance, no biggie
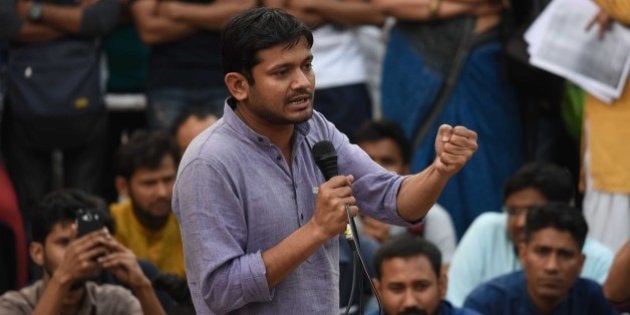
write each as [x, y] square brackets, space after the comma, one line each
[69, 262]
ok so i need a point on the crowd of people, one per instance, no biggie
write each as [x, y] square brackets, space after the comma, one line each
[212, 201]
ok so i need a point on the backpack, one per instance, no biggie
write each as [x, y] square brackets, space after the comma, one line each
[54, 89]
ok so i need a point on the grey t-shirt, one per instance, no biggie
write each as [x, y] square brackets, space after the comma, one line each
[103, 299]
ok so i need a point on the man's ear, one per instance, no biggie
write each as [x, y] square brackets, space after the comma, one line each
[122, 187]
[443, 282]
[238, 85]
[36, 249]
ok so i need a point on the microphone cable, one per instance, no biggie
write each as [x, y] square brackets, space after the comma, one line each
[352, 236]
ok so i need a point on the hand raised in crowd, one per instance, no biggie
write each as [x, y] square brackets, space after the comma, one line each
[332, 197]
[80, 258]
[454, 146]
[603, 20]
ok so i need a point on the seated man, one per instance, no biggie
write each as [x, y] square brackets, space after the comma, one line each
[145, 223]
[488, 248]
[69, 263]
[409, 280]
[551, 255]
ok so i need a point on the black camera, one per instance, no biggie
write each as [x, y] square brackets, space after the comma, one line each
[88, 220]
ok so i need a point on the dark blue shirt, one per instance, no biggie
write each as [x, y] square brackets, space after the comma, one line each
[508, 295]
[447, 309]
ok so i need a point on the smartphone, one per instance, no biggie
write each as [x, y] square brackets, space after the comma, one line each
[88, 220]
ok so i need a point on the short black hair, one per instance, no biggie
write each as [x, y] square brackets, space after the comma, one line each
[145, 149]
[61, 206]
[198, 112]
[559, 216]
[376, 130]
[554, 182]
[404, 246]
[256, 29]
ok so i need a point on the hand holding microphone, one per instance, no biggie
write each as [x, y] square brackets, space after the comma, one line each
[335, 195]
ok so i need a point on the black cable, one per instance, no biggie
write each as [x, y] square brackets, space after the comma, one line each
[353, 239]
[354, 277]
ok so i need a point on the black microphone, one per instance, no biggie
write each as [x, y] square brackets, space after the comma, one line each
[325, 157]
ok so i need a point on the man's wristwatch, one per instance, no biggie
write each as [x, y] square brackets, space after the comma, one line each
[35, 12]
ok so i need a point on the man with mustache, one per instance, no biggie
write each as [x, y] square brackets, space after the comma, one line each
[260, 223]
[551, 255]
[145, 173]
[71, 262]
[491, 242]
[409, 278]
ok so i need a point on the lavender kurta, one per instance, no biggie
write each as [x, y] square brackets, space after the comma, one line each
[235, 197]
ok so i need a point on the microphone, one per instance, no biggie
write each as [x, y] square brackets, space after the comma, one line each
[325, 157]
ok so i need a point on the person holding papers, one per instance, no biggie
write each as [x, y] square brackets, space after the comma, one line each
[605, 162]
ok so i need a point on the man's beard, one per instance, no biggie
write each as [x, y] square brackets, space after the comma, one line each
[413, 311]
[147, 219]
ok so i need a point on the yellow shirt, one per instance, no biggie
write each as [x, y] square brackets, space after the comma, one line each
[163, 248]
[609, 142]
[609, 126]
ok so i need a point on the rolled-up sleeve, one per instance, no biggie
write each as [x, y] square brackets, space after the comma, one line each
[221, 275]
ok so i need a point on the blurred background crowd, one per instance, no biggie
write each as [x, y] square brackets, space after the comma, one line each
[104, 96]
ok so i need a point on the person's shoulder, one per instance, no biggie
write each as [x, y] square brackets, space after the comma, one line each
[590, 295]
[21, 301]
[218, 143]
[597, 250]
[446, 308]
[498, 294]
[437, 213]
[111, 293]
[587, 287]
[486, 225]
[117, 209]
[504, 285]
[490, 218]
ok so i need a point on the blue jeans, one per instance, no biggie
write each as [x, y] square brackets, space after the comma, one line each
[167, 104]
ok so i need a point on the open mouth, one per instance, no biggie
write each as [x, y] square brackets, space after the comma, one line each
[299, 101]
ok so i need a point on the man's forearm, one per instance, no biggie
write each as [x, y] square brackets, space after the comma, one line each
[204, 16]
[421, 10]
[419, 192]
[148, 300]
[156, 29]
[284, 257]
[349, 12]
[65, 18]
[31, 33]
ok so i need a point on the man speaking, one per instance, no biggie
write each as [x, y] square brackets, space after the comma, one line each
[258, 238]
